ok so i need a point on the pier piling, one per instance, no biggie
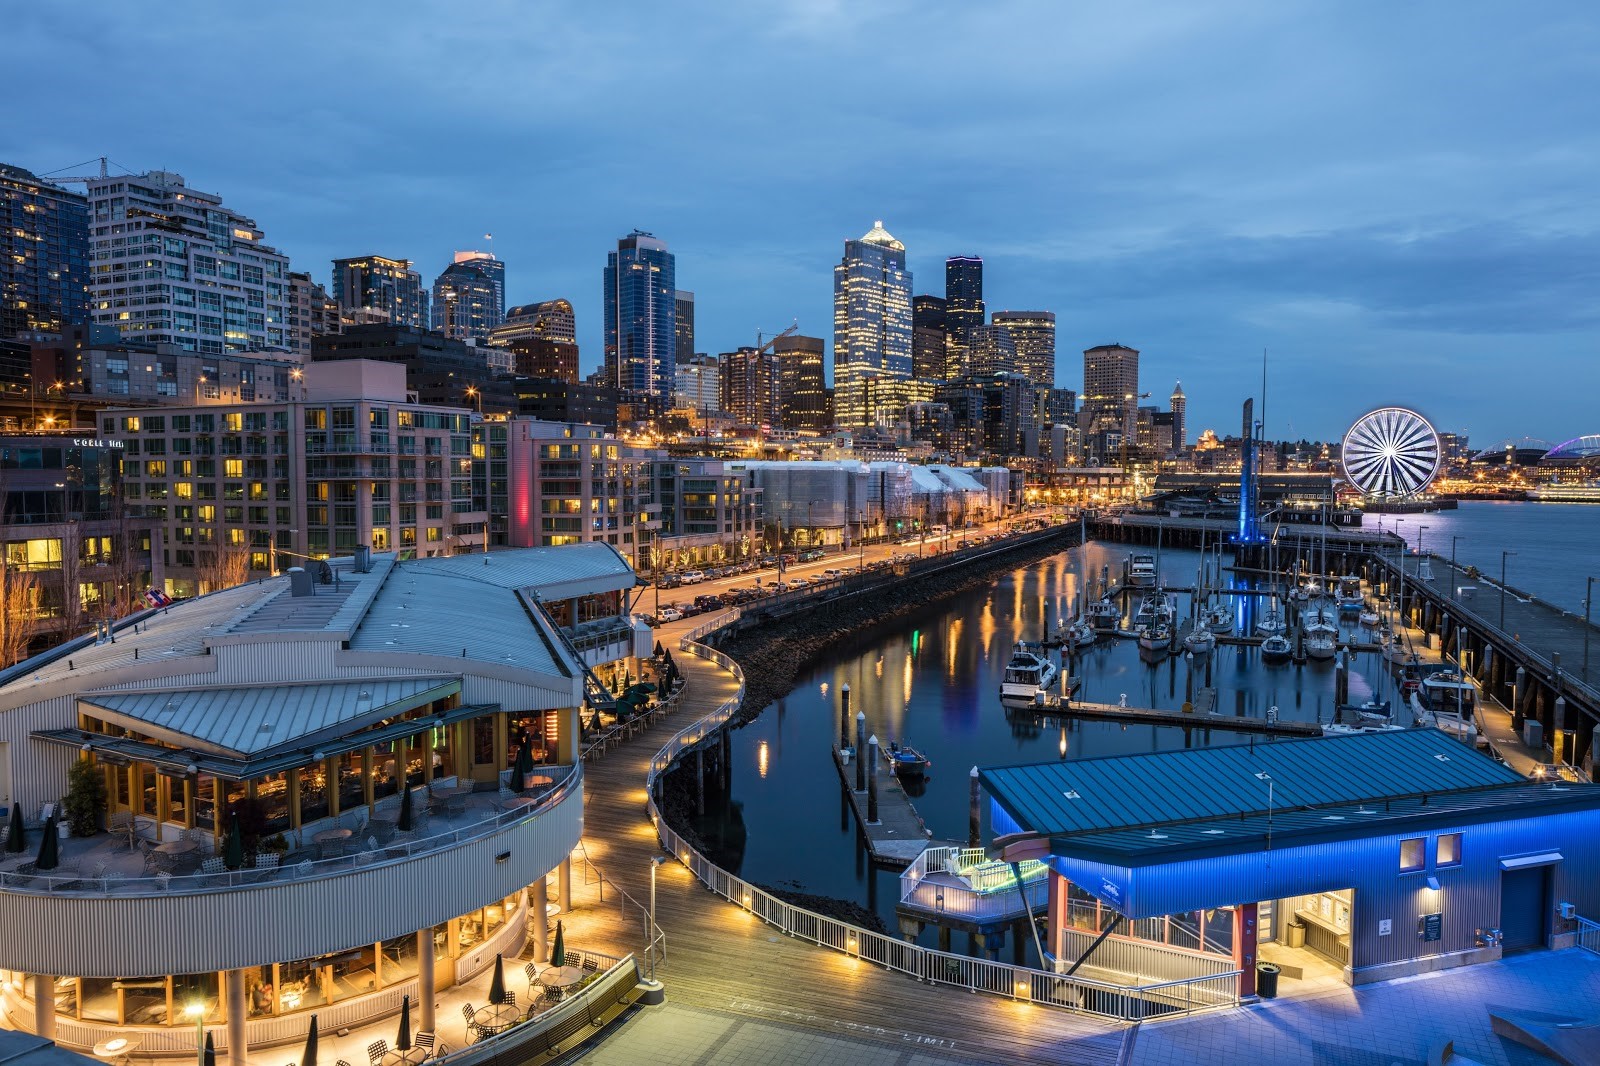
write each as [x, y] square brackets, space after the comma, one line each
[861, 751]
[844, 716]
[872, 780]
[972, 809]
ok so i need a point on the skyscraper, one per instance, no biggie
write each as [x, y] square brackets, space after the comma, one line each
[44, 255]
[641, 342]
[1110, 390]
[373, 289]
[1034, 334]
[990, 351]
[466, 299]
[929, 347]
[495, 270]
[683, 301]
[963, 312]
[550, 319]
[222, 287]
[1180, 418]
[750, 387]
[871, 330]
[312, 312]
[802, 390]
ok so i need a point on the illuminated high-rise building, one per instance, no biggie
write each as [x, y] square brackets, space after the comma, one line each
[929, 346]
[750, 386]
[802, 390]
[1180, 418]
[44, 255]
[684, 331]
[871, 330]
[467, 297]
[1034, 335]
[1110, 391]
[641, 342]
[963, 310]
[374, 289]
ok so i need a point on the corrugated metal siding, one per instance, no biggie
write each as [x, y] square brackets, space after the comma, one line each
[38, 771]
[148, 936]
[1469, 898]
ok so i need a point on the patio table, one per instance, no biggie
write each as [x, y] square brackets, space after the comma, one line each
[118, 1049]
[176, 847]
[496, 1017]
[410, 1056]
[561, 978]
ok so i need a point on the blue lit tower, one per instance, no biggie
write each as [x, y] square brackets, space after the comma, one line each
[641, 316]
[1249, 520]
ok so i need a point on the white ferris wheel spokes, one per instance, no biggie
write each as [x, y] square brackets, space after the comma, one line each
[1390, 453]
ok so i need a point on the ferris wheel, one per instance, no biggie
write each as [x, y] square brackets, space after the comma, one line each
[1391, 453]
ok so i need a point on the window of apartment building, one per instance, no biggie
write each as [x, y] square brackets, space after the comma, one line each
[316, 418]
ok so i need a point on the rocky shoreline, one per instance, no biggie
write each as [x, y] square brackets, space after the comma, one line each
[774, 653]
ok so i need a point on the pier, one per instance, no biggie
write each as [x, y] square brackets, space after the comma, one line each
[899, 835]
[1203, 716]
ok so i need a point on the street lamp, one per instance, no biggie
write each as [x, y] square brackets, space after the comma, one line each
[476, 393]
[1453, 539]
[1588, 601]
[655, 864]
[1503, 556]
[197, 1011]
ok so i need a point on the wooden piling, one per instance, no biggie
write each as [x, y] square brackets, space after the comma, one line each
[872, 780]
[973, 839]
[861, 751]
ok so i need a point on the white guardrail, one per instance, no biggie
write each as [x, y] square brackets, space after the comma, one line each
[1022, 983]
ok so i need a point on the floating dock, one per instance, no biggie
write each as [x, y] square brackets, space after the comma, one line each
[1203, 716]
[899, 835]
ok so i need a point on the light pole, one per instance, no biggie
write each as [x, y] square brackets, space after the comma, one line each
[197, 1011]
[650, 934]
[1453, 539]
[1503, 556]
[1588, 601]
[1421, 554]
[1401, 567]
[476, 393]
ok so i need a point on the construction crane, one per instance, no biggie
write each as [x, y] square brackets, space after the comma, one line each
[82, 179]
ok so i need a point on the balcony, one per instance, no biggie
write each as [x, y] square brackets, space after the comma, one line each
[99, 914]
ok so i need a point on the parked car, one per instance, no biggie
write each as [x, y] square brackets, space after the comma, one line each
[688, 610]
[670, 581]
[707, 603]
[669, 614]
[693, 577]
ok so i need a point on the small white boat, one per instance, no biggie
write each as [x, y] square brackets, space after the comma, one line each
[1446, 692]
[1081, 634]
[1368, 618]
[1142, 571]
[1027, 674]
[1156, 637]
[1396, 652]
[1200, 641]
[1455, 725]
[1335, 729]
[1276, 649]
[1219, 619]
[1104, 614]
[1321, 643]
[1273, 624]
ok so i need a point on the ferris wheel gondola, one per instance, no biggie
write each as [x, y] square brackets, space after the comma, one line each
[1391, 453]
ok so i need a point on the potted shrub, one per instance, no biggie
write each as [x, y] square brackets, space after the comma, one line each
[85, 799]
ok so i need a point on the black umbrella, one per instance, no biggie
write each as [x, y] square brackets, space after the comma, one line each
[524, 767]
[309, 1056]
[643, 686]
[403, 823]
[210, 1058]
[16, 839]
[497, 984]
[402, 1039]
[558, 953]
[49, 849]
[233, 848]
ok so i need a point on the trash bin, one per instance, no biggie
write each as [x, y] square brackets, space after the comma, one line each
[1295, 934]
[1266, 980]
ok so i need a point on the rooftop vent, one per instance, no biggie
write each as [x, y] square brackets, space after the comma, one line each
[300, 582]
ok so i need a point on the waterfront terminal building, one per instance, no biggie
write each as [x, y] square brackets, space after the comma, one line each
[1354, 858]
[306, 801]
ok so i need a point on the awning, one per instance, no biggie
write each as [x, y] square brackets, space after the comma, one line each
[1544, 858]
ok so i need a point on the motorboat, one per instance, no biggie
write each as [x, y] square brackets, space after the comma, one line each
[1369, 617]
[1318, 617]
[1447, 692]
[1219, 619]
[1028, 673]
[1335, 729]
[1372, 712]
[1396, 652]
[1459, 726]
[1276, 649]
[1155, 607]
[1349, 595]
[1200, 641]
[1104, 614]
[1142, 571]
[907, 761]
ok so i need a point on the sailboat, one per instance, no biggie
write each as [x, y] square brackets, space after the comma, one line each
[1200, 641]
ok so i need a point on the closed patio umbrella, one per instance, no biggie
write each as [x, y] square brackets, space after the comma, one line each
[645, 687]
[210, 1057]
[309, 1056]
[49, 849]
[558, 951]
[403, 823]
[233, 851]
[523, 767]
[16, 837]
[497, 983]
[402, 1039]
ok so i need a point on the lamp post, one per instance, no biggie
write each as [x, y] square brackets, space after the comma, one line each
[1503, 556]
[476, 393]
[1401, 568]
[650, 934]
[1421, 554]
[197, 1011]
[1453, 539]
[1588, 601]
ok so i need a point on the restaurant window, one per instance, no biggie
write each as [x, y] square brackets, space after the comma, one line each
[483, 741]
[399, 960]
[313, 792]
[1448, 850]
[386, 773]
[1413, 856]
[350, 795]
[147, 791]
[205, 802]
[272, 793]
[191, 988]
[175, 804]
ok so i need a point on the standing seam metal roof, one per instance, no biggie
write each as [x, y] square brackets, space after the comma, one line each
[1126, 791]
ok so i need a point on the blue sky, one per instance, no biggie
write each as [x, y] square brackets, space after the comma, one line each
[1397, 201]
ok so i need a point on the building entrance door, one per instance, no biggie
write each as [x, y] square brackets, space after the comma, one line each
[1523, 904]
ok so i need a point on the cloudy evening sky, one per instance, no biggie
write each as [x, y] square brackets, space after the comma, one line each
[1396, 200]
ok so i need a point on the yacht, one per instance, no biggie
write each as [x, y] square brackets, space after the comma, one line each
[1276, 649]
[1273, 624]
[1200, 641]
[1349, 595]
[1447, 692]
[1369, 617]
[1027, 674]
[1142, 571]
[1157, 636]
[1155, 607]
[1321, 642]
[1219, 619]
[1077, 634]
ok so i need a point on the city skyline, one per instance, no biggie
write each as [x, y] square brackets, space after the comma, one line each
[1253, 202]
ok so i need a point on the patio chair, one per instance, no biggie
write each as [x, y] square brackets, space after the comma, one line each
[120, 827]
[467, 1012]
[213, 865]
[511, 999]
[424, 1040]
[532, 970]
[267, 860]
[376, 1049]
[341, 1062]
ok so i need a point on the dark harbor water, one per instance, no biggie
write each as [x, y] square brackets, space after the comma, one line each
[933, 681]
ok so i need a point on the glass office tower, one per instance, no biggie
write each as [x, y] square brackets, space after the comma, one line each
[871, 331]
[641, 316]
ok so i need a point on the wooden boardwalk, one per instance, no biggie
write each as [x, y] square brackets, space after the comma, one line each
[722, 958]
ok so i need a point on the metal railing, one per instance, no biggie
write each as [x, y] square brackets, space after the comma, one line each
[1589, 935]
[974, 866]
[1022, 983]
[79, 883]
[1142, 961]
[946, 896]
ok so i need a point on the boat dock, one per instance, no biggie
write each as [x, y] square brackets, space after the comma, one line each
[1203, 716]
[899, 835]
